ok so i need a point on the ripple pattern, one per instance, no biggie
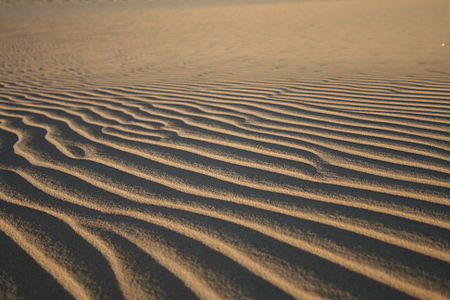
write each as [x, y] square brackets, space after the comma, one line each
[319, 189]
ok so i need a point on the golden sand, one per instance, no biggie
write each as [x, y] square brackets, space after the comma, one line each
[225, 150]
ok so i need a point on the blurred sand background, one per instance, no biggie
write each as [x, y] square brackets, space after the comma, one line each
[222, 39]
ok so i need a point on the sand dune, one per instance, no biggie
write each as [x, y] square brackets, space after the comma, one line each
[308, 210]
[172, 182]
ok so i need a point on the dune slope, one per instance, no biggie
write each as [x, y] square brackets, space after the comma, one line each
[130, 168]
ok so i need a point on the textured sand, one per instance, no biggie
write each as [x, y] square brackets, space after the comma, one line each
[225, 150]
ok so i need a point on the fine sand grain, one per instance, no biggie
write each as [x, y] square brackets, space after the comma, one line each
[225, 150]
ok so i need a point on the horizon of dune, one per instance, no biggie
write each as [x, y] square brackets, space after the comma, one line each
[225, 150]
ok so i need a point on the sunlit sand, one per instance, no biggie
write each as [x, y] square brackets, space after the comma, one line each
[224, 149]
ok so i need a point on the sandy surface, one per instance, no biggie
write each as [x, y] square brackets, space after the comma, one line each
[225, 150]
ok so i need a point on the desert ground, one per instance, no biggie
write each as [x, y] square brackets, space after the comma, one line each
[225, 149]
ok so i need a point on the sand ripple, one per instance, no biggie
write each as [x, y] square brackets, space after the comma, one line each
[314, 189]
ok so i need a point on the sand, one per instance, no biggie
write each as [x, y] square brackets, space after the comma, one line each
[225, 149]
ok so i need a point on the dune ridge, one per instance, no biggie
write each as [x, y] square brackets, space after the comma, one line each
[288, 188]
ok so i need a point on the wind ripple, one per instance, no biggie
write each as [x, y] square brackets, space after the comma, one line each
[287, 189]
